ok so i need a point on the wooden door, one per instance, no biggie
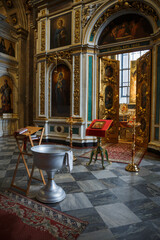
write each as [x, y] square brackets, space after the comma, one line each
[143, 99]
[109, 96]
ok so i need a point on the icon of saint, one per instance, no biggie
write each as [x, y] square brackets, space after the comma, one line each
[60, 34]
[60, 93]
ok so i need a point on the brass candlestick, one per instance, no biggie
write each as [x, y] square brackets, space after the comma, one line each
[71, 121]
[131, 167]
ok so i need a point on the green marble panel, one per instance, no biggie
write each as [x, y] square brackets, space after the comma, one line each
[51, 128]
[90, 77]
[75, 130]
[66, 129]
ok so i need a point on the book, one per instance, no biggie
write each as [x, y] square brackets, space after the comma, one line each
[21, 131]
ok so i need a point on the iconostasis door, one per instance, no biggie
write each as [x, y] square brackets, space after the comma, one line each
[143, 99]
[109, 96]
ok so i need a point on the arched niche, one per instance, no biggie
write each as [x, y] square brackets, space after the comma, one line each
[124, 28]
[6, 95]
[61, 91]
[108, 12]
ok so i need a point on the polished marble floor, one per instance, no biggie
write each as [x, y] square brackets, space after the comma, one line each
[118, 205]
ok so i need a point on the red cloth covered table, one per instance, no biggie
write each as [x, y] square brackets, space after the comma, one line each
[98, 127]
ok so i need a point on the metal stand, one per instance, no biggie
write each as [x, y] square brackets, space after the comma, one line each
[51, 192]
[101, 151]
[131, 167]
[71, 121]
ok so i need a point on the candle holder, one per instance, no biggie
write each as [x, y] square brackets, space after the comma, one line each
[131, 167]
[72, 120]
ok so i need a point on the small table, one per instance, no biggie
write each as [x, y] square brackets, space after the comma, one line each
[22, 136]
[98, 129]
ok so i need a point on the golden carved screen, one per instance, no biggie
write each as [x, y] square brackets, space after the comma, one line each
[143, 98]
[109, 96]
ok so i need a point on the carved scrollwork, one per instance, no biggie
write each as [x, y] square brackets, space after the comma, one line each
[110, 80]
[141, 111]
[110, 111]
[87, 12]
[43, 35]
[57, 56]
[77, 26]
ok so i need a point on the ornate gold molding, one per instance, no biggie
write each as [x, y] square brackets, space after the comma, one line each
[77, 26]
[87, 13]
[122, 5]
[77, 85]
[43, 34]
[57, 56]
[42, 89]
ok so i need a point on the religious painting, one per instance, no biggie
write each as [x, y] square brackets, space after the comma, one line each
[6, 95]
[108, 71]
[98, 125]
[60, 31]
[108, 97]
[144, 68]
[133, 79]
[7, 47]
[126, 27]
[61, 91]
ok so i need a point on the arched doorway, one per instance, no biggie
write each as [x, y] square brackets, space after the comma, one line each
[115, 77]
[125, 93]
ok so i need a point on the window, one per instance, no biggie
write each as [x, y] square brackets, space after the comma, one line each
[124, 79]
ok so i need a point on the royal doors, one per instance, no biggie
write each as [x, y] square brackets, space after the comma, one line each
[109, 96]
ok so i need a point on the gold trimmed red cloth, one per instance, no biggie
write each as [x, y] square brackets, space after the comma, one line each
[98, 127]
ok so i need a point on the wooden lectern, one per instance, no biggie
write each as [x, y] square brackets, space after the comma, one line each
[98, 129]
[22, 136]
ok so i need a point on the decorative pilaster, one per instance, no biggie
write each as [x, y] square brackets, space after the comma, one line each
[42, 89]
[77, 26]
[43, 35]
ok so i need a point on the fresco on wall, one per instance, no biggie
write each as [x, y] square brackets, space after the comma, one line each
[6, 95]
[7, 47]
[126, 27]
[60, 32]
[61, 91]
